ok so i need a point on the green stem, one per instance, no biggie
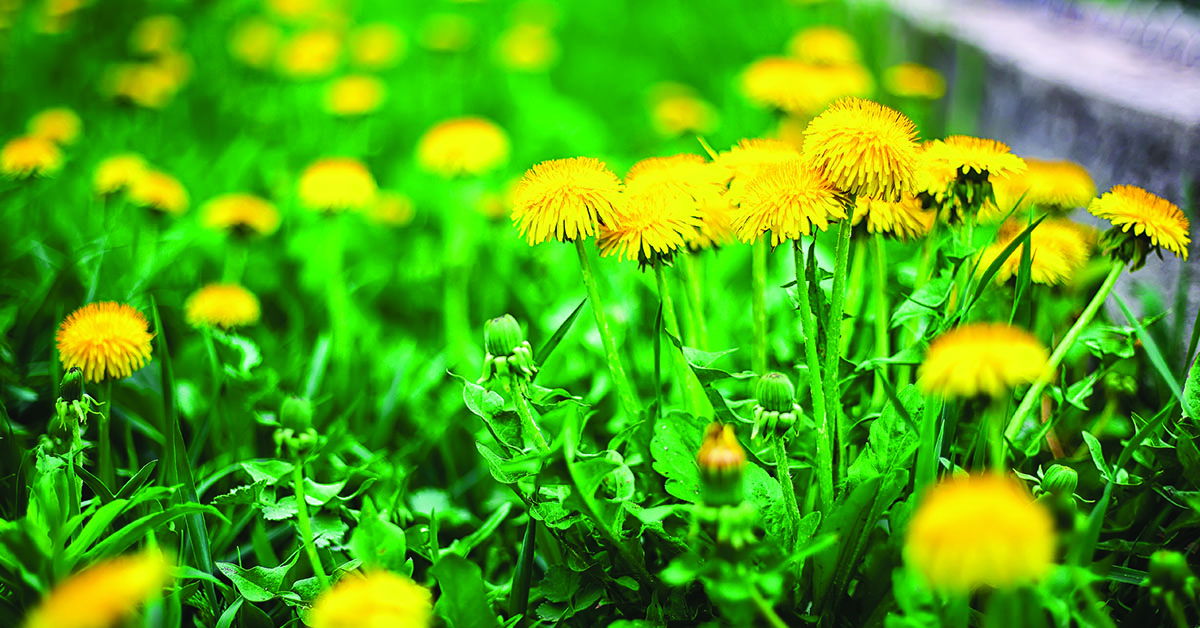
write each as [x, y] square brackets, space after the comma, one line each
[689, 266]
[104, 437]
[855, 295]
[689, 387]
[235, 261]
[994, 416]
[758, 304]
[335, 290]
[927, 453]
[625, 390]
[784, 471]
[306, 535]
[1034, 395]
[882, 319]
[528, 424]
[772, 618]
[833, 354]
[808, 322]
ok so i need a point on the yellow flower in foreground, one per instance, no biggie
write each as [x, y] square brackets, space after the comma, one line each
[914, 80]
[221, 305]
[787, 199]
[676, 109]
[1134, 210]
[373, 600]
[310, 54]
[376, 46]
[716, 224]
[824, 45]
[906, 219]
[160, 191]
[1058, 248]
[241, 214]
[663, 196]
[392, 208]
[355, 95]
[59, 125]
[688, 175]
[744, 161]
[463, 146]
[1053, 185]
[103, 594]
[565, 199]
[105, 340]
[976, 531]
[29, 156]
[864, 148]
[968, 155]
[527, 48]
[337, 184]
[255, 41]
[982, 359]
[118, 172]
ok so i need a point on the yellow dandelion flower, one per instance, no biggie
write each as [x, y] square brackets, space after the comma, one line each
[1058, 248]
[824, 45]
[968, 155]
[863, 148]
[156, 34]
[255, 42]
[787, 199]
[148, 85]
[117, 173]
[803, 88]
[59, 125]
[933, 176]
[716, 224]
[913, 80]
[105, 340]
[906, 219]
[982, 359]
[376, 46]
[310, 54]
[29, 156]
[463, 147]
[447, 32]
[159, 191]
[676, 109]
[355, 95]
[565, 199]
[297, 10]
[976, 531]
[1134, 210]
[103, 594]
[1053, 185]
[392, 208]
[720, 452]
[745, 160]
[337, 184]
[378, 599]
[685, 174]
[242, 214]
[221, 305]
[656, 222]
[527, 48]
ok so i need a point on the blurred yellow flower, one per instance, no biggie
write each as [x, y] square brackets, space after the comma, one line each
[376, 46]
[241, 214]
[1058, 248]
[967, 155]
[222, 305]
[59, 125]
[565, 199]
[463, 147]
[675, 109]
[976, 531]
[149, 85]
[156, 34]
[824, 45]
[803, 88]
[105, 340]
[864, 148]
[905, 219]
[160, 191]
[118, 172]
[255, 42]
[392, 208]
[526, 47]
[447, 32]
[29, 156]
[376, 599]
[103, 594]
[1153, 218]
[355, 95]
[720, 452]
[982, 359]
[310, 54]
[788, 199]
[1051, 185]
[337, 184]
[913, 80]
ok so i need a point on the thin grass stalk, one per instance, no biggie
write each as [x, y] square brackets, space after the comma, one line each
[302, 521]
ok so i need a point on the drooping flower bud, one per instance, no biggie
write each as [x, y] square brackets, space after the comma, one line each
[296, 414]
[776, 411]
[71, 387]
[1060, 481]
[722, 460]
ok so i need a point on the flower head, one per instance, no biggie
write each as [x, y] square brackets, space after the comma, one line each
[377, 599]
[565, 199]
[1151, 219]
[722, 461]
[222, 305]
[463, 147]
[803, 88]
[106, 340]
[59, 125]
[392, 208]
[156, 34]
[976, 531]
[355, 95]
[255, 42]
[686, 174]
[241, 213]
[982, 359]
[376, 46]
[1058, 248]
[657, 221]
[29, 156]
[824, 45]
[744, 161]
[159, 191]
[118, 172]
[913, 80]
[906, 219]
[787, 199]
[103, 594]
[676, 109]
[527, 47]
[716, 224]
[310, 54]
[1050, 185]
[976, 156]
[337, 184]
[863, 148]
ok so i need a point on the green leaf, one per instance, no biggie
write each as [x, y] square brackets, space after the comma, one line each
[1093, 446]
[376, 541]
[258, 584]
[673, 447]
[267, 470]
[1191, 388]
[547, 349]
[463, 602]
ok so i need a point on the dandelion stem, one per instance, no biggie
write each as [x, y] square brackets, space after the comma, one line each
[104, 437]
[758, 304]
[833, 353]
[305, 526]
[690, 388]
[808, 323]
[694, 292]
[625, 390]
[927, 454]
[1033, 397]
[772, 618]
[882, 318]
[784, 471]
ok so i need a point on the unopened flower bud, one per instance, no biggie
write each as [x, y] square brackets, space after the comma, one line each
[1169, 572]
[775, 392]
[721, 461]
[501, 335]
[71, 387]
[509, 356]
[1060, 481]
[296, 414]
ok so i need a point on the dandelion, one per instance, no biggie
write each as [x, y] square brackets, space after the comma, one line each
[676, 109]
[222, 305]
[565, 199]
[463, 147]
[721, 460]
[377, 599]
[310, 54]
[241, 214]
[1058, 249]
[787, 199]
[255, 42]
[526, 48]
[355, 95]
[156, 34]
[1137, 216]
[977, 156]
[106, 340]
[801, 88]
[29, 156]
[103, 594]
[159, 191]
[59, 125]
[392, 208]
[748, 158]
[982, 359]
[905, 219]
[913, 80]
[1056, 186]
[863, 148]
[979, 531]
[148, 85]
[657, 221]
[376, 46]
[337, 184]
[117, 173]
[716, 224]
[824, 45]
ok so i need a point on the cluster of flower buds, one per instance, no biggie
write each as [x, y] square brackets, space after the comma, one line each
[295, 432]
[722, 462]
[71, 410]
[509, 355]
[776, 411]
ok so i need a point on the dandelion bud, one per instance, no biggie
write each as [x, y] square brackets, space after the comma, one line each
[71, 387]
[296, 414]
[501, 335]
[509, 355]
[1169, 572]
[775, 392]
[1060, 481]
[721, 461]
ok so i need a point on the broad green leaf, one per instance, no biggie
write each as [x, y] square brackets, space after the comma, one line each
[258, 584]
[463, 602]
